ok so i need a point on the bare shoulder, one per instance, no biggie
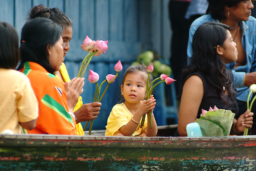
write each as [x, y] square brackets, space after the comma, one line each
[194, 82]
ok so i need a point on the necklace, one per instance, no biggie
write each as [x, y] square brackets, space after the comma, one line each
[224, 88]
[233, 28]
[235, 33]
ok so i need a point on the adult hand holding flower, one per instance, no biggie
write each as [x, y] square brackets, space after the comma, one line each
[249, 107]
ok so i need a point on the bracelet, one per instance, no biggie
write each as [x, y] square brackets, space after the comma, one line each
[135, 121]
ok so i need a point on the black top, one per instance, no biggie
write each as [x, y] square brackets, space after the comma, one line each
[211, 98]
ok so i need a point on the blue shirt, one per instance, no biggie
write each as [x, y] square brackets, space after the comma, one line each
[196, 7]
[249, 45]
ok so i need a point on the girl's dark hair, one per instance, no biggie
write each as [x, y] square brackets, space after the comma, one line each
[36, 36]
[216, 7]
[9, 46]
[54, 14]
[206, 60]
[134, 69]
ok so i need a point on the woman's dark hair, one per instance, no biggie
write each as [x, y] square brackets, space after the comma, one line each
[216, 7]
[134, 69]
[54, 14]
[9, 46]
[206, 59]
[37, 36]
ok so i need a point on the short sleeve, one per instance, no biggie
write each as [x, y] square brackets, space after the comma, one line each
[26, 102]
[116, 120]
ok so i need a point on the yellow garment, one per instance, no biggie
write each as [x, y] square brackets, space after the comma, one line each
[65, 76]
[18, 102]
[120, 116]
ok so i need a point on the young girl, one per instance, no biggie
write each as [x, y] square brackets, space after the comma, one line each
[18, 104]
[125, 118]
[206, 81]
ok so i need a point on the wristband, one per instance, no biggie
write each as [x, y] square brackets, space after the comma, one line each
[135, 121]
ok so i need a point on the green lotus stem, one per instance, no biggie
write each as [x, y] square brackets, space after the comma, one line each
[98, 95]
[107, 87]
[86, 125]
[252, 103]
[150, 85]
[96, 92]
[155, 86]
[90, 130]
[147, 97]
[249, 95]
[87, 63]
[83, 64]
[248, 107]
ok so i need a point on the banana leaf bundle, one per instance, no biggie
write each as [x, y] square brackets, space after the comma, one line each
[216, 123]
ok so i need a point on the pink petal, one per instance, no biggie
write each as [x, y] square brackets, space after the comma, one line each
[169, 80]
[109, 77]
[101, 46]
[93, 76]
[215, 108]
[210, 109]
[88, 44]
[150, 68]
[203, 112]
[118, 67]
[163, 76]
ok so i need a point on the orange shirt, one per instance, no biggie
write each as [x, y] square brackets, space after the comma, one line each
[53, 110]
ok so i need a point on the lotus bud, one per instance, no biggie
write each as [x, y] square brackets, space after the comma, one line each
[93, 76]
[101, 46]
[215, 108]
[210, 109]
[203, 112]
[253, 88]
[118, 67]
[110, 77]
[169, 80]
[88, 44]
[150, 68]
[163, 76]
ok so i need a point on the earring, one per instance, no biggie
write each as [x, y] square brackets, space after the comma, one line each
[228, 12]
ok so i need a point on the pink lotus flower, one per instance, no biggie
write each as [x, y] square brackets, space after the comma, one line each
[210, 109]
[88, 44]
[110, 77]
[169, 80]
[203, 112]
[150, 68]
[100, 47]
[93, 76]
[163, 76]
[215, 108]
[118, 67]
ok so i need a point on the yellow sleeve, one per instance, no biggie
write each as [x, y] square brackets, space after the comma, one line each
[65, 76]
[116, 120]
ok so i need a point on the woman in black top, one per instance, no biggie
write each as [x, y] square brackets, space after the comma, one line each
[206, 81]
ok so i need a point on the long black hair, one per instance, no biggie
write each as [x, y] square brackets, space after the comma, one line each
[9, 46]
[37, 35]
[216, 7]
[53, 14]
[206, 59]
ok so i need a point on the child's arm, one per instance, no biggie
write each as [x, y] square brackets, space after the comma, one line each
[131, 126]
[151, 131]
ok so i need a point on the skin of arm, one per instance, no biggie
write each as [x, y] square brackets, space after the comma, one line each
[144, 107]
[29, 125]
[192, 95]
[250, 78]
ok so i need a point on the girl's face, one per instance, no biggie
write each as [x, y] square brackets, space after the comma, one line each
[66, 36]
[242, 11]
[228, 51]
[134, 87]
[56, 54]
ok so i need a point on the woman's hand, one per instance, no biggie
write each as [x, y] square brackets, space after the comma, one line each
[245, 120]
[73, 90]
